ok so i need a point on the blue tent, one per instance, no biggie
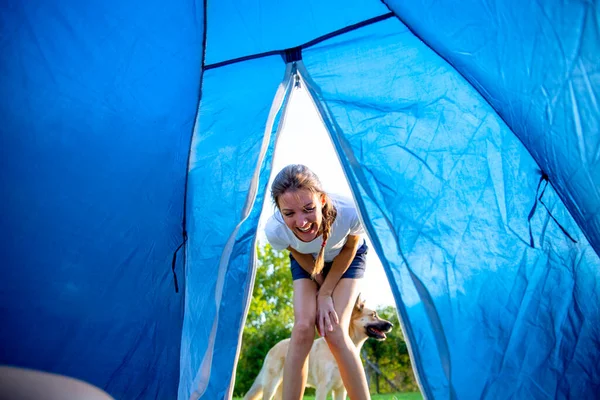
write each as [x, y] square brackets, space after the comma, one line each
[136, 144]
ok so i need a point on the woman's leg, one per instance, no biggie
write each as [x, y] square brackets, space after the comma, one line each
[340, 344]
[295, 369]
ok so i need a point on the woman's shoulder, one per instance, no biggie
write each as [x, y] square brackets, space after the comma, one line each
[275, 219]
[347, 214]
[343, 203]
[276, 232]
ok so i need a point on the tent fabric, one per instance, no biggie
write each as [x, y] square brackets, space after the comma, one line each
[97, 109]
[468, 132]
[263, 26]
[228, 162]
[537, 64]
[410, 145]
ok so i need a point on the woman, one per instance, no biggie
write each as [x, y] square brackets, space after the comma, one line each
[327, 252]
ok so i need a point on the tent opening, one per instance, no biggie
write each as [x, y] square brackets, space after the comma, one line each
[303, 139]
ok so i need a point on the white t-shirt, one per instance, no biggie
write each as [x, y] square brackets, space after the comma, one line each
[346, 223]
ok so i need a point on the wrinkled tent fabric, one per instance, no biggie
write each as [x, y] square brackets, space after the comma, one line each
[468, 131]
[98, 102]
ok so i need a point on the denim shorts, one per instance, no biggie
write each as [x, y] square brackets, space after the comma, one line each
[356, 270]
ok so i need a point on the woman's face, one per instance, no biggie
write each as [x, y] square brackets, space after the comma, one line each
[302, 212]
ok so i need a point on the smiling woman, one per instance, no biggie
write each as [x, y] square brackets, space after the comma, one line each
[327, 255]
[318, 224]
[304, 140]
[300, 213]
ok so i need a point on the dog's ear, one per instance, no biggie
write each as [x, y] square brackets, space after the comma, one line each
[360, 303]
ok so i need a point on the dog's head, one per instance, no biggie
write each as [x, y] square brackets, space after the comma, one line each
[368, 322]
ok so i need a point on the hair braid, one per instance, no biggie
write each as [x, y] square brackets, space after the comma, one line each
[329, 214]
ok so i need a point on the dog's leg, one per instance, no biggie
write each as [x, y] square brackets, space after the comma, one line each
[279, 392]
[270, 375]
[256, 390]
[321, 392]
[271, 387]
[339, 394]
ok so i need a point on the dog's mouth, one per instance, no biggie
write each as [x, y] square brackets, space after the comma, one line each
[378, 331]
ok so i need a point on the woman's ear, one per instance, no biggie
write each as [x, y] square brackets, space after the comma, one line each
[323, 199]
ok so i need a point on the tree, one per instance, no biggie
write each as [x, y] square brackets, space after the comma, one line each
[390, 357]
[270, 317]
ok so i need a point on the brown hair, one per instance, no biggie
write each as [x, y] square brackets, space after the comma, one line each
[298, 176]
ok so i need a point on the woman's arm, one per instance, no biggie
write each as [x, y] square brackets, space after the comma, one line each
[341, 262]
[306, 261]
[325, 310]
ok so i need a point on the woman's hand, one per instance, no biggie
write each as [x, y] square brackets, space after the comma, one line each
[326, 315]
[319, 279]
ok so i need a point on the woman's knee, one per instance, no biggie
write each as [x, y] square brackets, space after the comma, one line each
[337, 338]
[304, 331]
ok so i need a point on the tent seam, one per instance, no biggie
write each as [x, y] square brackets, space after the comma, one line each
[187, 173]
[306, 45]
[330, 125]
[282, 106]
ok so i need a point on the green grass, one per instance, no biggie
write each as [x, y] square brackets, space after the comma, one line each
[389, 396]
[398, 396]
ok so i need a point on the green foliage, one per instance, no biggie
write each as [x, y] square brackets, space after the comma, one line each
[391, 357]
[398, 396]
[270, 317]
[272, 291]
[389, 396]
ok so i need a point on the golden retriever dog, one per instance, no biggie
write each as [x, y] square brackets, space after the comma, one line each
[323, 372]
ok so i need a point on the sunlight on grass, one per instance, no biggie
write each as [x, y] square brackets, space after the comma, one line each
[389, 396]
